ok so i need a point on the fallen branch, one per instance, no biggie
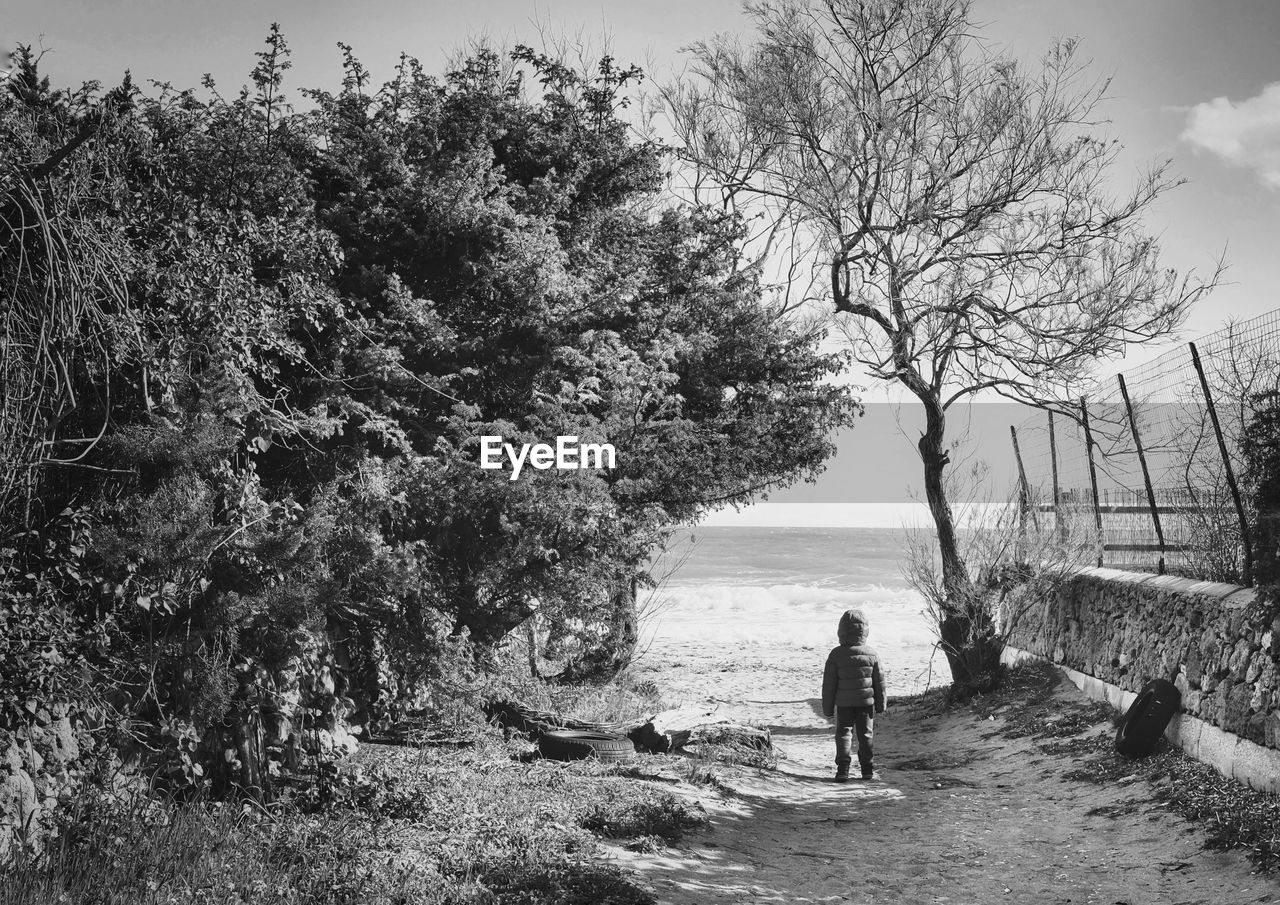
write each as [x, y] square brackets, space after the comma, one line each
[662, 733]
[673, 730]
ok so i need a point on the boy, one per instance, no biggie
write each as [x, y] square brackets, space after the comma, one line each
[852, 689]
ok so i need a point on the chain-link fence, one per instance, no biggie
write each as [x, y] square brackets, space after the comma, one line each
[1152, 463]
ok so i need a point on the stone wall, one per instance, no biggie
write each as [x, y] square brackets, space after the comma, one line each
[1215, 641]
[302, 709]
[311, 708]
[39, 764]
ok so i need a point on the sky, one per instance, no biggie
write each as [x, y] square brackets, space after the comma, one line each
[1194, 82]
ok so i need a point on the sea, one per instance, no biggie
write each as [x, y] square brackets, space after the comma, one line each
[780, 590]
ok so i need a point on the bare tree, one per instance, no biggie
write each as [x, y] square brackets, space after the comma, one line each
[1016, 562]
[956, 209]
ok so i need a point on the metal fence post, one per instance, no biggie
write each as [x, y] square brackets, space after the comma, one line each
[1028, 503]
[1146, 473]
[1058, 523]
[1093, 473]
[1247, 565]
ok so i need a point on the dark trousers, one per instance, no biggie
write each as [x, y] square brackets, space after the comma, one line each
[848, 721]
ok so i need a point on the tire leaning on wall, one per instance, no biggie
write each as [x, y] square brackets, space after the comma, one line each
[565, 744]
[1147, 717]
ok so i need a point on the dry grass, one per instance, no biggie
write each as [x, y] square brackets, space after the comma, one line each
[1231, 815]
[620, 701]
[724, 747]
[435, 827]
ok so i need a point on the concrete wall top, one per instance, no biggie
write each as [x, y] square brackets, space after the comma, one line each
[1232, 595]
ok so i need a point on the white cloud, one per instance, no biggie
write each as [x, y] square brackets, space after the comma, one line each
[1245, 133]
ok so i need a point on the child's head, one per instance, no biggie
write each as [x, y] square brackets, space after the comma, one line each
[853, 628]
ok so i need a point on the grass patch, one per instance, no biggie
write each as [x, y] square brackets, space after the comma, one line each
[1055, 720]
[622, 700]
[164, 854]
[1028, 707]
[430, 827]
[1025, 683]
[724, 747]
[1025, 702]
[699, 772]
[666, 818]
[1024, 686]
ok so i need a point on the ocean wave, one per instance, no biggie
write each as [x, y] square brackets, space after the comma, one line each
[785, 614]
[700, 598]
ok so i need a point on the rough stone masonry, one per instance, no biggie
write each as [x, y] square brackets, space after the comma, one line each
[1217, 642]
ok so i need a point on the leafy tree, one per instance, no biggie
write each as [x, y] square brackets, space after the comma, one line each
[170, 577]
[510, 280]
[956, 207]
[272, 340]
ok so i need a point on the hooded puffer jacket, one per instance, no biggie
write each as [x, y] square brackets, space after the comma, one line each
[852, 676]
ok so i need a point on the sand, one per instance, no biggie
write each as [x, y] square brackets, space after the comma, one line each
[960, 814]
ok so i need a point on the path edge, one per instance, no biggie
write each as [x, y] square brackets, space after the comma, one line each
[1237, 758]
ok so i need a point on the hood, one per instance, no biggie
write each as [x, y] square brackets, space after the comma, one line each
[853, 628]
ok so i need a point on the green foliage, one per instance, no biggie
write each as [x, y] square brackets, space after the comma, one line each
[415, 826]
[275, 340]
[1260, 445]
[669, 819]
[46, 643]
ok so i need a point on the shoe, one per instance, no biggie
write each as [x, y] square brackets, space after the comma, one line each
[872, 775]
[842, 774]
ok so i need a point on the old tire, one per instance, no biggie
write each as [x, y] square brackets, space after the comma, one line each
[1147, 718]
[567, 744]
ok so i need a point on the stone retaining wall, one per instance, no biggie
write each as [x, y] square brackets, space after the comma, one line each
[39, 763]
[1213, 640]
[302, 709]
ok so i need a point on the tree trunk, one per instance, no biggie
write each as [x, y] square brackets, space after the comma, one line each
[612, 653]
[955, 575]
[965, 627]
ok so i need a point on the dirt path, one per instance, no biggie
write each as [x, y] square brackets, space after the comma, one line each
[961, 815]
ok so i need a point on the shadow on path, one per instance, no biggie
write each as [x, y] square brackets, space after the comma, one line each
[1000, 826]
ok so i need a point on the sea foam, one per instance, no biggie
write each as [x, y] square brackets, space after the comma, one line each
[787, 619]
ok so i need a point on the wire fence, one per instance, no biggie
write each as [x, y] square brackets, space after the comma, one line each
[1152, 464]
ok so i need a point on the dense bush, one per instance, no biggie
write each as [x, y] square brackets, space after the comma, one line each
[418, 827]
[247, 354]
[1260, 445]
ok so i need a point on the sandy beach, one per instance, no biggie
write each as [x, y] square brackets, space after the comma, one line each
[740, 601]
